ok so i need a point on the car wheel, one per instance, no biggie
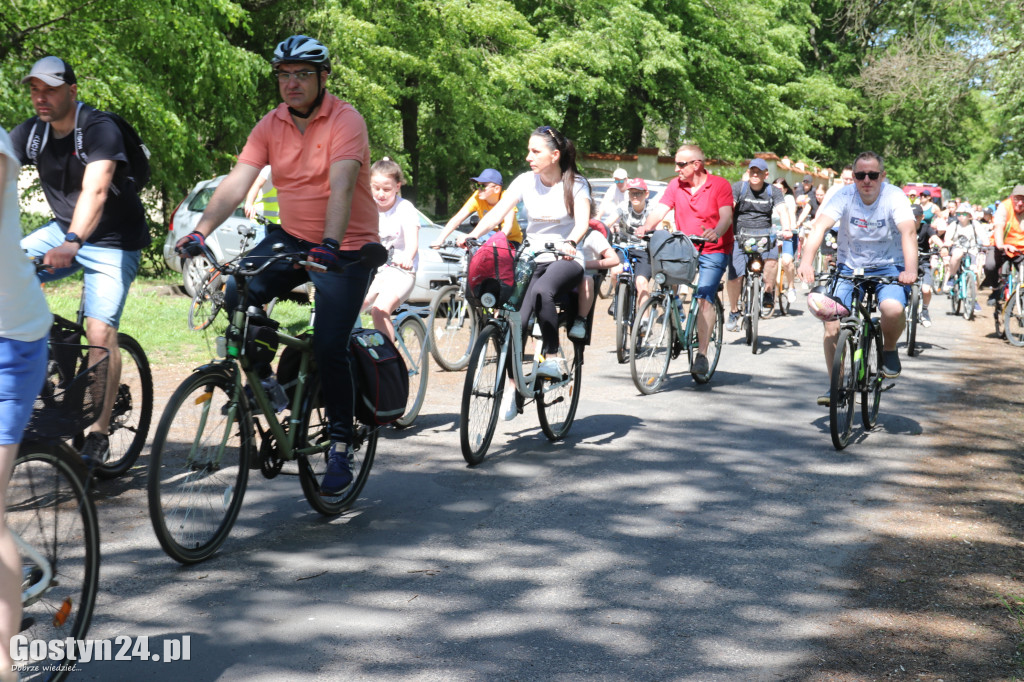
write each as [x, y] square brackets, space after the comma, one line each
[193, 272]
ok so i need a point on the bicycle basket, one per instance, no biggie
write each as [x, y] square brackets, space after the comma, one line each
[674, 255]
[69, 402]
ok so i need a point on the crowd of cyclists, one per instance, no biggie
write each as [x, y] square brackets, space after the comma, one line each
[330, 201]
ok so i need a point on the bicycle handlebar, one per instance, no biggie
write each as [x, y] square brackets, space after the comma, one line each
[371, 255]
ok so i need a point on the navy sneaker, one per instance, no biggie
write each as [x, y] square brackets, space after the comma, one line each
[95, 449]
[339, 470]
[891, 366]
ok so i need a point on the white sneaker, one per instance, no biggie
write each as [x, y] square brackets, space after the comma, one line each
[552, 369]
[791, 294]
[578, 329]
[509, 411]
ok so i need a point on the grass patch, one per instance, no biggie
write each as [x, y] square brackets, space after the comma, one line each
[158, 319]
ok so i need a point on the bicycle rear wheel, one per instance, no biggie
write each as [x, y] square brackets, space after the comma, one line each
[714, 341]
[132, 411]
[912, 318]
[843, 389]
[411, 339]
[955, 302]
[199, 467]
[49, 510]
[557, 400]
[871, 396]
[623, 305]
[315, 432]
[650, 345]
[481, 394]
[606, 285]
[970, 296]
[1013, 321]
[453, 328]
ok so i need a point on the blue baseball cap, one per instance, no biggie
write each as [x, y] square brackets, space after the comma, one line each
[758, 164]
[489, 175]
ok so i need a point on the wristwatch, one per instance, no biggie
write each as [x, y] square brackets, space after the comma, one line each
[72, 237]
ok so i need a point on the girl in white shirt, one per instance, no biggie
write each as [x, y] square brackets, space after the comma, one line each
[399, 232]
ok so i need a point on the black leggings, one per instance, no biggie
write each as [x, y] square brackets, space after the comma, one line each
[550, 281]
[994, 260]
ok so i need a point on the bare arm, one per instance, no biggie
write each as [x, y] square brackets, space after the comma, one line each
[908, 240]
[95, 184]
[250, 198]
[494, 217]
[723, 226]
[656, 215]
[343, 178]
[226, 198]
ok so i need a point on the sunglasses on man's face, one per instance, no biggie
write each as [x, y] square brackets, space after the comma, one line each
[874, 175]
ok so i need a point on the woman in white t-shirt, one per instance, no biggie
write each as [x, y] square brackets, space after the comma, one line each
[24, 325]
[557, 202]
[399, 229]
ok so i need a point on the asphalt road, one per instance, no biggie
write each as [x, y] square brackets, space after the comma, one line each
[697, 534]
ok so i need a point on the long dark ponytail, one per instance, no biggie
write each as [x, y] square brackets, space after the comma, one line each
[566, 162]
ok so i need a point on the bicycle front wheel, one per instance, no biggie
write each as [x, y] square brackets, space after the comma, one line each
[623, 303]
[1013, 321]
[132, 411]
[199, 467]
[714, 341]
[871, 396]
[755, 313]
[411, 339]
[481, 394]
[207, 302]
[912, 317]
[843, 389]
[557, 400]
[453, 328]
[650, 345]
[970, 296]
[954, 294]
[57, 535]
[315, 432]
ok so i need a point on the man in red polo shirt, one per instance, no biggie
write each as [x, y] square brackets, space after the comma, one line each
[320, 152]
[703, 207]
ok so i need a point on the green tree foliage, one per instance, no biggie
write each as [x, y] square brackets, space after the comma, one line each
[449, 87]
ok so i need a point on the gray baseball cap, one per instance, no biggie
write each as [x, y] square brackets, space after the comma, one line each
[52, 71]
[1018, 191]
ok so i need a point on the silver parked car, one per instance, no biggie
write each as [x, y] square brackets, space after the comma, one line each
[226, 241]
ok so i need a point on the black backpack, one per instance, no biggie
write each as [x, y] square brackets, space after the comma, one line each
[137, 171]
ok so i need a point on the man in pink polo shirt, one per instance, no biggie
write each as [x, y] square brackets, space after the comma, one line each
[319, 150]
[703, 207]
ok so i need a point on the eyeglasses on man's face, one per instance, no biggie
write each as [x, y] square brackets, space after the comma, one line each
[300, 76]
[683, 164]
[873, 175]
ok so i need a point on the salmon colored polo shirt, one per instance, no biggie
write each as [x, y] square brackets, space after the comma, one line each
[698, 212]
[301, 165]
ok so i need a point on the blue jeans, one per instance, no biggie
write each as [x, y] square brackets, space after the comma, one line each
[108, 272]
[339, 296]
[712, 267]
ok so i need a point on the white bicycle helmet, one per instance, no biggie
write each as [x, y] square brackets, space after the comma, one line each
[301, 48]
[825, 307]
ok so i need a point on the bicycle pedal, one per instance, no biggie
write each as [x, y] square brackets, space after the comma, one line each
[886, 387]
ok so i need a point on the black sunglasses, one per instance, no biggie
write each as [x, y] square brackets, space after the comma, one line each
[860, 175]
[684, 164]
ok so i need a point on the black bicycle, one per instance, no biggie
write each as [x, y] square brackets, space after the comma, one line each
[132, 410]
[857, 363]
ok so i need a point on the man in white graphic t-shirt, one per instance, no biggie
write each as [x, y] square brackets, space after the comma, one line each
[877, 234]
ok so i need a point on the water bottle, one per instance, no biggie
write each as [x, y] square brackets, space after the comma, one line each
[524, 273]
[278, 398]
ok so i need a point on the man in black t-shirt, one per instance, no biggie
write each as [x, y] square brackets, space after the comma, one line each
[99, 225]
[755, 203]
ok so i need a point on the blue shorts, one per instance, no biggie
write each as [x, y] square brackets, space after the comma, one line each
[22, 371]
[108, 272]
[892, 292]
[712, 267]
